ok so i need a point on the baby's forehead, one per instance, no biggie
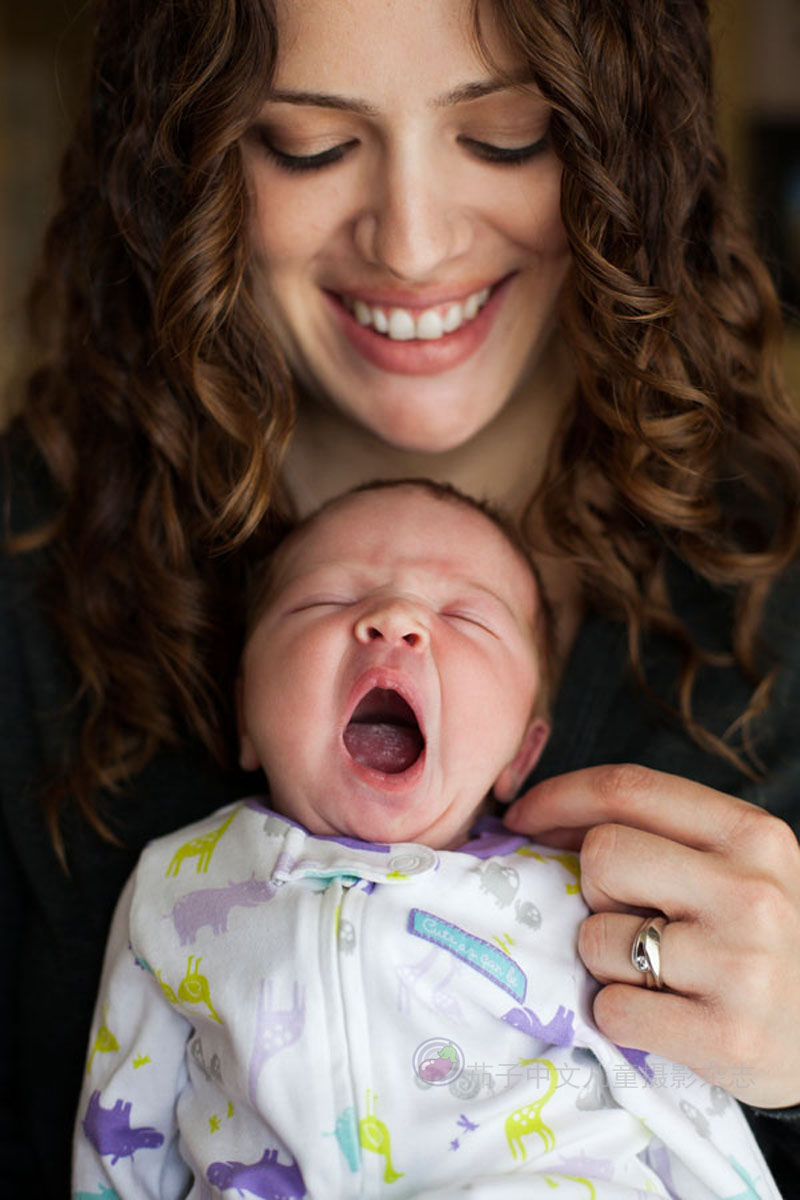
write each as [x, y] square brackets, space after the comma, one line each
[405, 528]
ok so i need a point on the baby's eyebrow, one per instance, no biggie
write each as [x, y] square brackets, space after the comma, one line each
[327, 576]
[473, 585]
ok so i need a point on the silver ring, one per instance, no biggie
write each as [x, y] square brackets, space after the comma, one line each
[646, 950]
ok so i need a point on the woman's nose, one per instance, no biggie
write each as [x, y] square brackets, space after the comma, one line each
[394, 623]
[411, 223]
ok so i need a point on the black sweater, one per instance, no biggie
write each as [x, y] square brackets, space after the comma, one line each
[53, 926]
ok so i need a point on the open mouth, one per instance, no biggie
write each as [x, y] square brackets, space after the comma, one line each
[383, 733]
[431, 324]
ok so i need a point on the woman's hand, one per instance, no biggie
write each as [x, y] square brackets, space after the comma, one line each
[726, 875]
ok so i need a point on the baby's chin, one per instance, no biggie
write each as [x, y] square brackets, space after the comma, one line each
[385, 823]
[357, 802]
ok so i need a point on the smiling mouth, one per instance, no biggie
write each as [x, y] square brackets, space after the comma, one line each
[383, 733]
[400, 324]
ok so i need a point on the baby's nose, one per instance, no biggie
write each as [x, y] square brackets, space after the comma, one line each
[394, 622]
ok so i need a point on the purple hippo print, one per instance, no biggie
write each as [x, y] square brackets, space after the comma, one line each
[557, 1032]
[267, 1178]
[211, 906]
[109, 1130]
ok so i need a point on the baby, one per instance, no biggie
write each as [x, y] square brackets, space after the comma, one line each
[365, 985]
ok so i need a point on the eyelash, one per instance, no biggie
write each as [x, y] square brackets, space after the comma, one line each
[311, 604]
[307, 162]
[498, 155]
[457, 616]
[513, 157]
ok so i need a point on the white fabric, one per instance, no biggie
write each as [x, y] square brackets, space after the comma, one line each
[265, 997]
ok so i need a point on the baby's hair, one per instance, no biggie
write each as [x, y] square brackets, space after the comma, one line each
[262, 580]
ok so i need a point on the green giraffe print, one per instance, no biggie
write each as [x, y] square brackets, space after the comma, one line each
[192, 989]
[200, 848]
[169, 993]
[104, 1043]
[374, 1136]
[551, 1181]
[528, 1119]
[569, 861]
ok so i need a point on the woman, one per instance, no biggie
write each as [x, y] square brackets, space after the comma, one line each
[307, 245]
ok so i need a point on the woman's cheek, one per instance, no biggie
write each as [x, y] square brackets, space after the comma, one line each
[290, 219]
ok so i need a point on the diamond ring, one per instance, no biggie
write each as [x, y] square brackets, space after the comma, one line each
[646, 950]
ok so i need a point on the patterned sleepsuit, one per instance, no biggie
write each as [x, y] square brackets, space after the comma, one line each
[284, 1015]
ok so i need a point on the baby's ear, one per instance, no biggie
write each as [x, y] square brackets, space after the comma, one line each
[248, 759]
[511, 778]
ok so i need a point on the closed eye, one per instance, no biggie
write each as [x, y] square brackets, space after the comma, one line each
[305, 162]
[322, 603]
[509, 156]
[471, 619]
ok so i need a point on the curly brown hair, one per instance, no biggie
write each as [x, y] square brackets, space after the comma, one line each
[684, 438]
[163, 406]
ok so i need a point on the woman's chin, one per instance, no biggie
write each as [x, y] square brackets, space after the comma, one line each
[418, 425]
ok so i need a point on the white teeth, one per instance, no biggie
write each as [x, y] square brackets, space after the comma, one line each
[471, 305]
[430, 325]
[401, 325]
[453, 318]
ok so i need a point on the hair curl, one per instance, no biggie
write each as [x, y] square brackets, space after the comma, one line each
[163, 406]
[684, 438]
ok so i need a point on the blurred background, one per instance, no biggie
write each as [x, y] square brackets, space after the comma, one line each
[43, 58]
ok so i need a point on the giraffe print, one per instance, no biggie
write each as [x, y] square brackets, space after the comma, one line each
[201, 848]
[104, 1042]
[374, 1136]
[408, 976]
[275, 1029]
[569, 861]
[528, 1119]
[444, 1002]
[552, 1181]
[192, 989]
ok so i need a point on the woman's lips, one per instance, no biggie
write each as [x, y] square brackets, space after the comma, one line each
[418, 356]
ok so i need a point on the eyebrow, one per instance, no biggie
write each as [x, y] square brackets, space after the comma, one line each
[489, 592]
[459, 95]
[310, 580]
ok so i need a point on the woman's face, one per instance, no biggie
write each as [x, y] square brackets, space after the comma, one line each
[406, 235]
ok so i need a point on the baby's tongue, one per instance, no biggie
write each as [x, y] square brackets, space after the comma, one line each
[383, 733]
[387, 748]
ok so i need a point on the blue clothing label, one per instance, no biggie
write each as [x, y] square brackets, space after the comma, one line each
[474, 951]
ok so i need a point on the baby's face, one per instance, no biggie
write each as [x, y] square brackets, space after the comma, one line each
[391, 680]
